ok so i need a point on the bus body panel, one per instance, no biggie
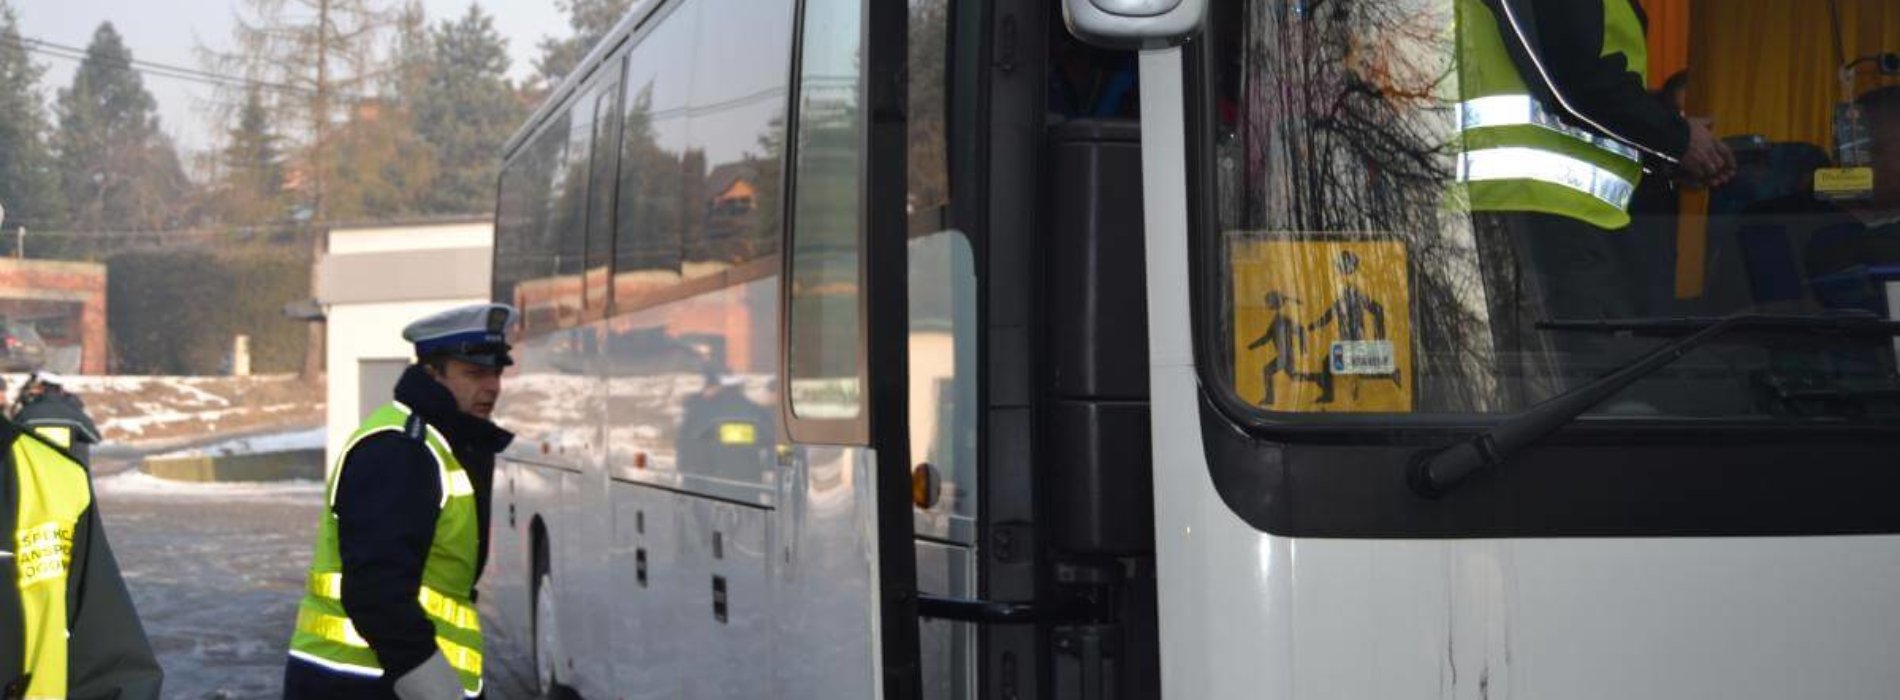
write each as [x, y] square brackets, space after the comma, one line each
[1246, 614]
[825, 628]
[726, 522]
[947, 650]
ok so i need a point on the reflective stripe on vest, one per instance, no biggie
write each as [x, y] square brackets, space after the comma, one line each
[1495, 164]
[1518, 155]
[325, 636]
[437, 604]
[54, 493]
[1524, 110]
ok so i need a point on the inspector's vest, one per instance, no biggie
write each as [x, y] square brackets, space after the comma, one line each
[54, 493]
[1518, 154]
[324, 633]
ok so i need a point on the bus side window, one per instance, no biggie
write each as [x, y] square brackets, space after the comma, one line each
[737, 134]
[653, 140]
[824, 366]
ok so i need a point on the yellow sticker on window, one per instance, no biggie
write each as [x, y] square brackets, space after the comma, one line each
[1322, 324]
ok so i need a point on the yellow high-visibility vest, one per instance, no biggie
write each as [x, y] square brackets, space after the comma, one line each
[326, 637]
[1520, 155]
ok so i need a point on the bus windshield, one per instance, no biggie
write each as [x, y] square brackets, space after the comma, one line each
[1409, 204]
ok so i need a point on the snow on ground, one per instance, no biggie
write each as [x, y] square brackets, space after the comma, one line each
[137, 484]
[169, 411]
[310, 439]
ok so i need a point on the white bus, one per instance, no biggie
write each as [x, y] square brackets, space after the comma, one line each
[922, 349]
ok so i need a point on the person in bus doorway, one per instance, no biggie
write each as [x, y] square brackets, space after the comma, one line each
[389, 611]
[67, 625]
[1557, 127]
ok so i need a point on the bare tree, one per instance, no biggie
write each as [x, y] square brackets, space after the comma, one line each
[319, 58]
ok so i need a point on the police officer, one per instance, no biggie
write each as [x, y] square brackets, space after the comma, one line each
[389, 609]
[67, 625]
[47, 408]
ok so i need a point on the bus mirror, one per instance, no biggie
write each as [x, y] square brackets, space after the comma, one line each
[1133, 24]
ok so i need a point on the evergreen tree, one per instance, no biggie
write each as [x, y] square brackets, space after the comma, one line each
[117, 170]
[27, 188]
[590, 20]
[465, 111]
[253, 167]
[382, 167]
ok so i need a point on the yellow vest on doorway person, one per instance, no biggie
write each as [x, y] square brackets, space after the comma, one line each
[326, 637]
[54, 493]
[1520, 155]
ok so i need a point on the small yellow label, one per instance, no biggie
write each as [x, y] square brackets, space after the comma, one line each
[738, 434]
[1838, 182]
[44, 552]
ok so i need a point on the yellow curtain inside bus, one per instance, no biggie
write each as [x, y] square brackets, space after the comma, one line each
[1765, 68]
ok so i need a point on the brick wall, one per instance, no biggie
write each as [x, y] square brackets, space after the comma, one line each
[73, 291]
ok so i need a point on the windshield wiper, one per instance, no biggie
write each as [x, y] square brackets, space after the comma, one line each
[1435, 472]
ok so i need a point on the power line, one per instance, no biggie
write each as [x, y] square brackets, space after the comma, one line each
[156, 69]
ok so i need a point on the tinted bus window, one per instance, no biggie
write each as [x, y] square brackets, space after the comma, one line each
[534, 292]
[653, 140]
[737, 133]
[824, 362]
[512, 225]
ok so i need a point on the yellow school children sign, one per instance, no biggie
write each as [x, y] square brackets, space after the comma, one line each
[1322, 324]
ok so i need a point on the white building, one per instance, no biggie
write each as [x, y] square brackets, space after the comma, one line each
[374, 281]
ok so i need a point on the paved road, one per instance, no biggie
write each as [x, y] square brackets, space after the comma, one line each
[216, 572]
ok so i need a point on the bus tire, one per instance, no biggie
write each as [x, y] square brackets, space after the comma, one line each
[547, 650]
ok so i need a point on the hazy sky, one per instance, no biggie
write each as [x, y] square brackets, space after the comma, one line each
[169, 32]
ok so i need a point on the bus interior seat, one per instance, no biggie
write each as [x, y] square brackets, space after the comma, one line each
[1771, 176]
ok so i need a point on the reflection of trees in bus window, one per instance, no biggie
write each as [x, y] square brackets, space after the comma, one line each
[532, 249]
[929, 105]
[823, 353]
[737, 113]
[653, 136]
[1334, 121]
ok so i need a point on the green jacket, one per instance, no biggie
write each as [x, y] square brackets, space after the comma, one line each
[107, 655]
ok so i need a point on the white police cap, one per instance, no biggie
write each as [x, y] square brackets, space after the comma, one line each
[476, 333]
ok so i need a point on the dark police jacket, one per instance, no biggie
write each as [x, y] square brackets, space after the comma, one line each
[108, 656]
[1568, 38]
[386, 508]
